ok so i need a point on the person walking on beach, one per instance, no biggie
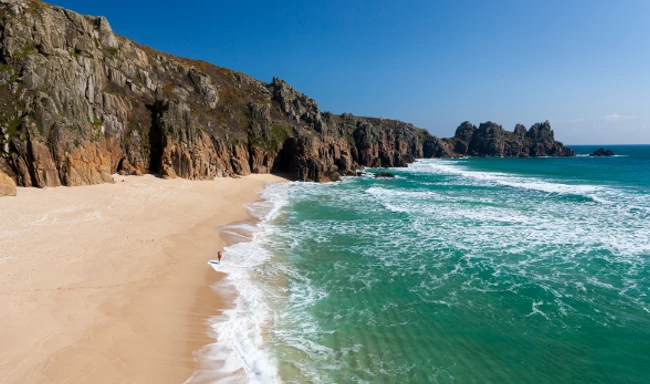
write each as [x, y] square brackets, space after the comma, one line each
[219, 256]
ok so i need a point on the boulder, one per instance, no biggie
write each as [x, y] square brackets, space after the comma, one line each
[384, 175]
[7, 185]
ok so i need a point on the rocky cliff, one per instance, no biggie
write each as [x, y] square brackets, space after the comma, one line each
[79, 103]
[490, 139]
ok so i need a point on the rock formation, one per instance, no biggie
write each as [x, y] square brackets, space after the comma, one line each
[79, 103]
[490, 140]
[602, 152]
[7, 185]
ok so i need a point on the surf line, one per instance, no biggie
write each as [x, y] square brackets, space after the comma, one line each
[216, 263]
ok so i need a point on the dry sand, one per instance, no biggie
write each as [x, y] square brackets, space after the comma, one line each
[110, 283]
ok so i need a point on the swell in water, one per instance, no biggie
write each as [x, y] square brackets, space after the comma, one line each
[455, 271]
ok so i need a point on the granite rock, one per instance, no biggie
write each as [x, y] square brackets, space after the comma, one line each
[79, 103]
[7, 185]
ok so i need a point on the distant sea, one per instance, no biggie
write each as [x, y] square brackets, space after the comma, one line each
[456, 271]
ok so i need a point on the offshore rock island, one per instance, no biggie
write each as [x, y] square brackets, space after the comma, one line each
[79, 103]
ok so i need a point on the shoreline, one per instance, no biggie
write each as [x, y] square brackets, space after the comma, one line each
[110, 283]
[210, 304]
[238, 330]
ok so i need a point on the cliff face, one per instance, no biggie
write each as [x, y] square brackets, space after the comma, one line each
[490, 139]
[79, 103]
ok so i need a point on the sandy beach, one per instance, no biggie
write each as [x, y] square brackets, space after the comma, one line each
[110, 283]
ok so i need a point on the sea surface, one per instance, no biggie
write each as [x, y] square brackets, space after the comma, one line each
[456, 271]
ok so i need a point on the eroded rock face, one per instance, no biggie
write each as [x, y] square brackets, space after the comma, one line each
[79, 103]
[7, 185]
[602, 152]
[491, 140]
[465, 131]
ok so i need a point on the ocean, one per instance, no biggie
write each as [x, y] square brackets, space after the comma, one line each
[481, 270]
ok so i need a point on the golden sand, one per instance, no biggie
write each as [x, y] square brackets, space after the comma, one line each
[110, 283]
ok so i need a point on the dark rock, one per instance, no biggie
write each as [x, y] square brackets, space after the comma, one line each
[602, 152]
[460, 148]
[435, 147]
[385, 175]
[520, 131]
[487, 141]
[491, 140]
[79, 103]
[465, 131]
[112, 105]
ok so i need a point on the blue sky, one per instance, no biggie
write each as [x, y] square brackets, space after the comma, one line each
[583, 65]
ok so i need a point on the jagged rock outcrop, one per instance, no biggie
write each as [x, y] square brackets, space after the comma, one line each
[602, 152]
[7, 185]
[435, 147]
[491, 140]
[465, 131]
[79, 103]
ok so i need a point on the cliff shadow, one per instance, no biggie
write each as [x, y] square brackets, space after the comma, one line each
[156, 140]
[285, 161]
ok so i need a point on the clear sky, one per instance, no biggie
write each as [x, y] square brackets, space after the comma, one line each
[583, 65]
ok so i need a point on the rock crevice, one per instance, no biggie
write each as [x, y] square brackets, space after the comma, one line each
[79, 103]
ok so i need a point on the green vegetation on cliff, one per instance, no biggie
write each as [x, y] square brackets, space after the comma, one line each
[138, 110]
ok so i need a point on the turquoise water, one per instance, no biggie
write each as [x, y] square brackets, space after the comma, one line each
[463, 271]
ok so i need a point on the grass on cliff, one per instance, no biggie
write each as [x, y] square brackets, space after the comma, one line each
[97, 125]
[27, 49]
[39, 3]
[278, 135]
[8, 118]
[7, 69]
[96, 122]
[13, 128]
[111, 51]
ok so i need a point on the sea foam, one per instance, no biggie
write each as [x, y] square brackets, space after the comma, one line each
[370, 270]
[504, 179]
[240, 332]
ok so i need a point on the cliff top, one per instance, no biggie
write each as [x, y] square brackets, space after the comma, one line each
[79, 103]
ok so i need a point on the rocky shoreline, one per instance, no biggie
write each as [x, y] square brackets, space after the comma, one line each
[79, 103]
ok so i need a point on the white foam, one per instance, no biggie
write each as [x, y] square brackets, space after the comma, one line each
[596, 193]
[240, 344]
[484, 239]
[600, 157]
[531, 183]
[523, 235]
[244, 230]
